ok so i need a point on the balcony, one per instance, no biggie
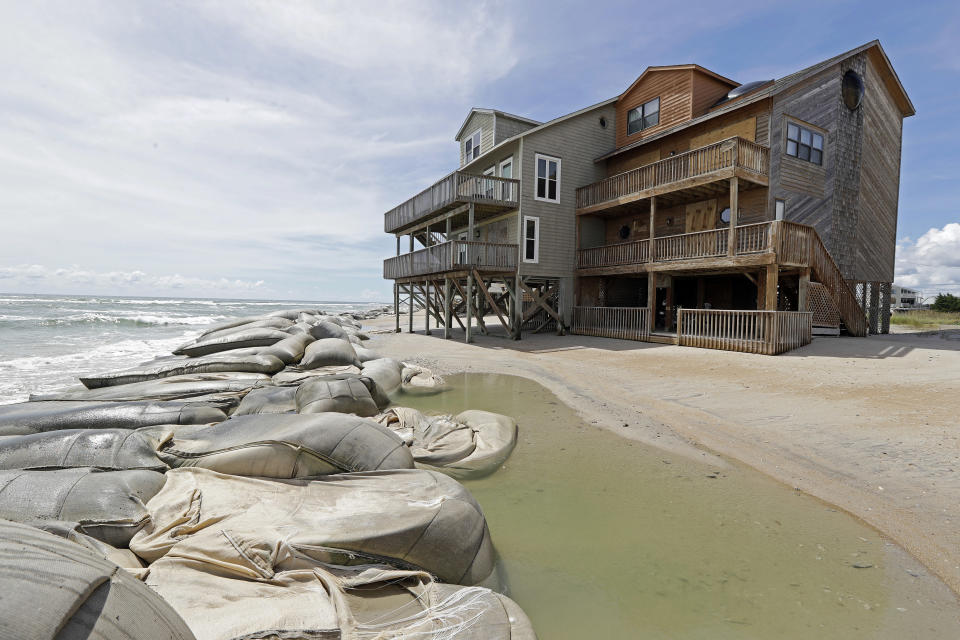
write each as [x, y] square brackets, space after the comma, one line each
[791, 241]
[456, 256]
[490, 195]
[696, 168]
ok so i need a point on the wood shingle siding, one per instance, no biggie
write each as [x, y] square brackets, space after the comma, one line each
[576, 142]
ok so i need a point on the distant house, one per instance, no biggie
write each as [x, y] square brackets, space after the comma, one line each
[904, 298]
[689, 209]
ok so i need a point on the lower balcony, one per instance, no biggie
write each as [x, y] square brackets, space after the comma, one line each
[455, 256]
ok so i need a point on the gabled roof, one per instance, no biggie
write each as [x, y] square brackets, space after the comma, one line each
[679, 67]
[494, 112]
[891, 80]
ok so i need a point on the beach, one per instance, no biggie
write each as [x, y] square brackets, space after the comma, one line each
[866, 424]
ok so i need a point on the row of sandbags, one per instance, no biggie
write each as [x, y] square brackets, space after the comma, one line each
[348, 540]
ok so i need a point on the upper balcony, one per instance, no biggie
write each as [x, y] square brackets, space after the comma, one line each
[490, 195]
[455, 256]
[685, 171]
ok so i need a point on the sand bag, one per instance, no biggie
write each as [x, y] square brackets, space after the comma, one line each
[221, 363]
[220, 592]
[323, 395]
[410, 519]
[324, 329]
[195, 385]
[288, 446]
[386, 372]
[268, 323]
[418, 380]
[289, 350]
[255, 337]
[108, 505]
[268, 400]
[71, 531]
[56, 588]
[229, 324]
[293, 314]
[365, 355]
[38, 417]
[329, 352]
[107, 449]
[295, 375]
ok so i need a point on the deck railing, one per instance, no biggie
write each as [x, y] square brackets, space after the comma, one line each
[727, 154]
[458, 187]
[754, 238]
[456, 255]
[625, 323]
[766, 332]
[636, 252]
[688, 246]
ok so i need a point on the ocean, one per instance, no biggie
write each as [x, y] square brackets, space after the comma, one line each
[47, 342]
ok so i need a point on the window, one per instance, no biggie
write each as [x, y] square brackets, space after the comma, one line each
[780, 208]
[804, 144]
[725, 215]
[471, 148]
[644, 116]
[548, 178]
[531, 239]
[506, 171]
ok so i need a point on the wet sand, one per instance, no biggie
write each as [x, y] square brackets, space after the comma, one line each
[867, 424]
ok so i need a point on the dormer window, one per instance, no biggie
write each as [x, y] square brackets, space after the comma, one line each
[471, 148]
[643, 117]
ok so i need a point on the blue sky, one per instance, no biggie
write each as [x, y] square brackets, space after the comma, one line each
[248, 148]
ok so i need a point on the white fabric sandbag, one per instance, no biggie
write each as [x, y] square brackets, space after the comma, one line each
[385, 371]
[325, 329]
[193, 385]
[219, 590]
[323, 395]
[329, 352]
[107, 449]
[366, 355]
[287, 446]
[411, 519]
[38, 417]
[229, 324]
[289, 350]
[108, 505]
[421, 381]
[263, 323]
[55, 588]
[220, 363]
[293, 314]
[268, 400]
[295, 375]
[232, 339]
[71, 531]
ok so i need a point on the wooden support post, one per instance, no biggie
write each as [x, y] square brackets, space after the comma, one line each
[517, 308]
[469, 301]
[734, 214]
[770, 289]
[803, 293]
[446, 308]
[651, 301]
[668, 299]
[761, 290]
[396, 305]
[651, 244]
[410, 307]
[426, 307]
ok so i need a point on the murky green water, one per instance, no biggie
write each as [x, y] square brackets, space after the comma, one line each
[605, 538]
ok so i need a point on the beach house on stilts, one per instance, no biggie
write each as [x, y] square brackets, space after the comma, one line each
[690, 209]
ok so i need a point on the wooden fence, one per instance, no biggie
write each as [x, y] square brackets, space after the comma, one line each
[625, 323]
[458, 187]
[726, 154]
[635, 252]
[456, 255]
[766, 332]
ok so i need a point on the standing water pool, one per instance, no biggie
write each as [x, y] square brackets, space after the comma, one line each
[602, 537]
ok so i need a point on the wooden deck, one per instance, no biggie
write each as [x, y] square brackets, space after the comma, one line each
[490, 195]
[733, 157]
[764, 332]
[453, 257]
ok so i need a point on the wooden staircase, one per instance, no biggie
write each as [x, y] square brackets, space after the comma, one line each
[826, 272]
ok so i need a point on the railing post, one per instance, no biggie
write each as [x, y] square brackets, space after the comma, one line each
[653, 229]
[734, 214]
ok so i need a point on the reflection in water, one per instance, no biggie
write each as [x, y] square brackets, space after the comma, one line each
[606, 538]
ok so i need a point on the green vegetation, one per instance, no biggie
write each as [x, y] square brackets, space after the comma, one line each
[924, 319]
[946, 302]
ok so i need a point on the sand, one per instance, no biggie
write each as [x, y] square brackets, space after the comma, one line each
[867, 424]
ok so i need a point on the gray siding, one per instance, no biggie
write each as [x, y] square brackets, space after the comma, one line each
[506, 128]
[484, 122]
[576, 142]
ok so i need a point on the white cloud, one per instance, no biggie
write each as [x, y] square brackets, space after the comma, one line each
[28, 278]
[932, 262]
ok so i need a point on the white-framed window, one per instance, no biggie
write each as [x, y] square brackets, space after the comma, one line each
[643, 117]
[547, 184]
[531, 239]
[780, 208]
[506, 171]
[471, 147]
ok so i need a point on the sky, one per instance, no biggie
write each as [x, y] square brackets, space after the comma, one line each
[249, 148]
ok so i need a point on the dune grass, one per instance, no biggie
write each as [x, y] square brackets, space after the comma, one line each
[924, 319]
